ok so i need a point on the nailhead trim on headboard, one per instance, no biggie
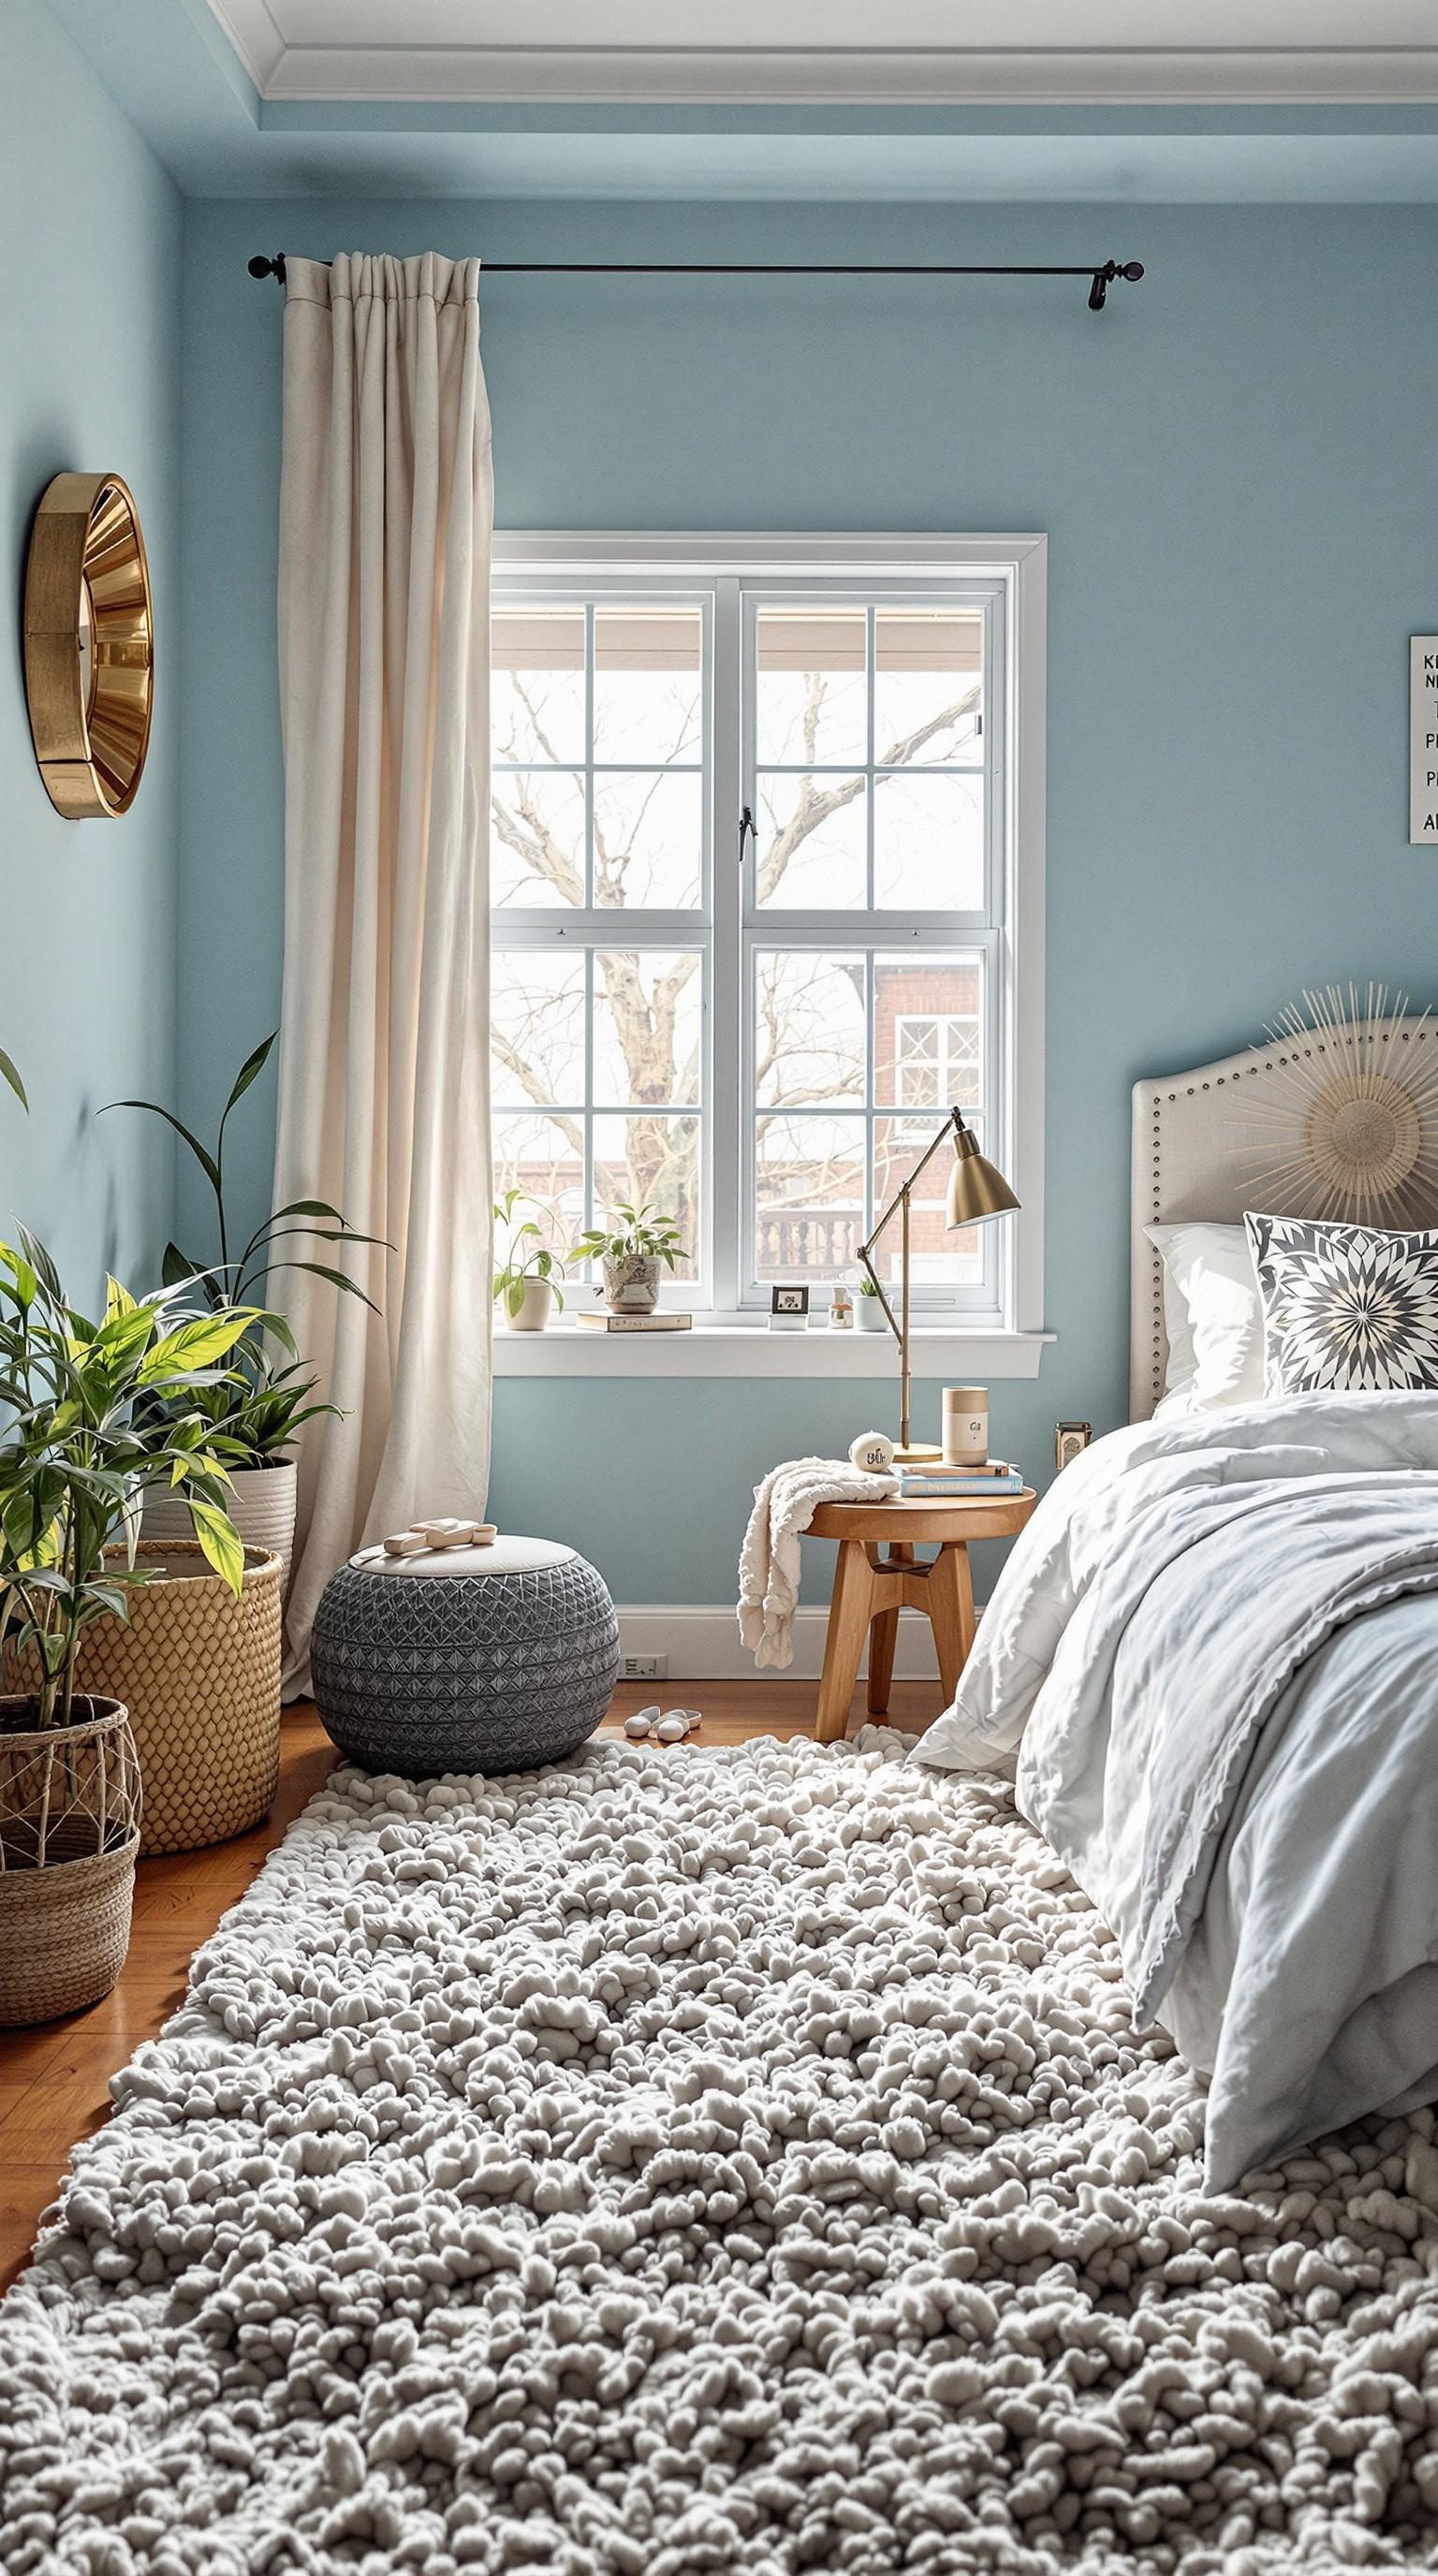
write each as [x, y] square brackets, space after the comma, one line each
[1179, 1087]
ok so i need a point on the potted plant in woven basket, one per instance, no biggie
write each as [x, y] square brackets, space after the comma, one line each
[73, 1464]
[256, 1413]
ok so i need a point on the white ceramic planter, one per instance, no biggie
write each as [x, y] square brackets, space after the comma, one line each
[869, 1315]
[260, 1502]
[535, 1309]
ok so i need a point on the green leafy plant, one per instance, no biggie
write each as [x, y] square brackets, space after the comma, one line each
[867, 1286]
[527, 1256]
[254, 1418]
[93, 1414]
[634, 1234]
[9, 1072]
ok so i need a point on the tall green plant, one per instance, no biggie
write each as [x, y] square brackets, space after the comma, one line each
[254, 1416]
[9, 1073]
[233, 1277]
[93, 1414]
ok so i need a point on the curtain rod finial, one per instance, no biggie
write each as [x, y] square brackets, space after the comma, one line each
[259, 266]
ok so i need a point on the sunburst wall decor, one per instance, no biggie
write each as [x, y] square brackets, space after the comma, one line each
[1352, 1131]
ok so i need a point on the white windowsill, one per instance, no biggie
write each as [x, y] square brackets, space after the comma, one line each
[751, 1350]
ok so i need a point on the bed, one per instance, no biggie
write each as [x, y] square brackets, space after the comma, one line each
[1214, 1653]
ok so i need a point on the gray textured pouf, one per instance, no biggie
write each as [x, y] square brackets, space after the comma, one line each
[474, 1659]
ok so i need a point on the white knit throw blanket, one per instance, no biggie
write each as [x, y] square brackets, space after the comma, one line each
[784, 1505]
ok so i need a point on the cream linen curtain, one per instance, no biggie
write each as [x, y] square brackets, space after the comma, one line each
[385, 524]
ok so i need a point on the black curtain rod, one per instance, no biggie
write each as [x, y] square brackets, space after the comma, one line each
[1100, 279]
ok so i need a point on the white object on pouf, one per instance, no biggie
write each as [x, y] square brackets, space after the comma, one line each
[671, 1729]
[873, 1451]
[411, 1542]
[486, 1556]
[639, 1724]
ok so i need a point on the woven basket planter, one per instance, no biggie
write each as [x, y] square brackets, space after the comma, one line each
[69, 1811]
[199, 1672]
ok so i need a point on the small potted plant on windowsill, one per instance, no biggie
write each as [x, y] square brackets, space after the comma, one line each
[868, 1307]
[74, 1462]
[632, 1253]
[526, 1283]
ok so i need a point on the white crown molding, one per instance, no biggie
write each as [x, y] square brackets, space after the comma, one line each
[251, 33]
[565, 76]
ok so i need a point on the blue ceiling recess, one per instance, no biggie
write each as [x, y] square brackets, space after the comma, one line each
[169, 67]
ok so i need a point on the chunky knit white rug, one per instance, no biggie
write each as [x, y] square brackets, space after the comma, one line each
[680, 2163]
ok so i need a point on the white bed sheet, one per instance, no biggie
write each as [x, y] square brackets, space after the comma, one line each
[1308, 1985]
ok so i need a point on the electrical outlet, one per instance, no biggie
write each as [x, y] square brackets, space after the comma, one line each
[644, 1668]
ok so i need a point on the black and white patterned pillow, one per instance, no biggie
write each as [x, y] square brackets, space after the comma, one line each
[1345, 1306]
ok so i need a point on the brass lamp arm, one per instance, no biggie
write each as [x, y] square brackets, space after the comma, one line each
[953, 1128]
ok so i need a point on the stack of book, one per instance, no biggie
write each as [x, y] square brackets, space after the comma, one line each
[599, 1319]
[939, 1483]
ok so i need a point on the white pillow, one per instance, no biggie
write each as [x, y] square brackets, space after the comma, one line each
[1212, 1315]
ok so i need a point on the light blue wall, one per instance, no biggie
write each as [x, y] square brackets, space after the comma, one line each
[1236, 471]
[89, 379]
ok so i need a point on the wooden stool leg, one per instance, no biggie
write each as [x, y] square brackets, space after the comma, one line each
[849, 1612]
[882, 1636]
[881, 1660]
[950, 1604]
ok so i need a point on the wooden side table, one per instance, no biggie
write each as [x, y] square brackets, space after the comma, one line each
[877, 1575]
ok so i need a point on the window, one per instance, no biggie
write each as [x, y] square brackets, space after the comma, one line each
[759, 900]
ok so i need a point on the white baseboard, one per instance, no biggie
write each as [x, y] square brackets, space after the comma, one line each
[702, 1642]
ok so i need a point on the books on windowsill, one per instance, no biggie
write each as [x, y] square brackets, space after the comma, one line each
[941, 1484]
[598, 1319]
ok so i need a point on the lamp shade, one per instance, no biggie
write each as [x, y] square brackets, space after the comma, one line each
[976, 1188]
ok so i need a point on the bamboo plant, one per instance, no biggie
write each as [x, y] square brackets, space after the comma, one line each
[93, 1414]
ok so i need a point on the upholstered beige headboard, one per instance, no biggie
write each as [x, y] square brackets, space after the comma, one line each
[1193, 1156]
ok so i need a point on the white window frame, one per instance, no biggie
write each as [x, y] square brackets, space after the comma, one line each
[729, 1336]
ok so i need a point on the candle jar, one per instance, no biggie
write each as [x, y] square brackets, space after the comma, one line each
[966, 1426]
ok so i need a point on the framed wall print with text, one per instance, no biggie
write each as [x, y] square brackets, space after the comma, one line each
[1422, 740]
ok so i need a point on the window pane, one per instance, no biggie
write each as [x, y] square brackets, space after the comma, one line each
[809, 1028]
[648, 839]
[936, 1254]
[928, 843]
[543, 1157]
[651, 1162]
[537, 687]
[928, 680]
[813, 686]
[646, 684]
[536, 838]
[647, 1027]
[813, 696]
[809, 1197]
[811, 843]
[928, 1034]
[537, 1028]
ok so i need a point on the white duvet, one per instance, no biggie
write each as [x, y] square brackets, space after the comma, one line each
[1216, 1646]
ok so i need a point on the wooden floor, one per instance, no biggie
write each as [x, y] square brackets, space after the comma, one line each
[54, 2079]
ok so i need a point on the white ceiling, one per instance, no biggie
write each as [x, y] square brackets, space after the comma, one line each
[857, 52]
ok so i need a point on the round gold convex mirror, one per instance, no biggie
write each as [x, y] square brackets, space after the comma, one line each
[89, 645]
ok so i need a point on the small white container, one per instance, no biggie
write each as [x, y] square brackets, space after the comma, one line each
[966, 1426]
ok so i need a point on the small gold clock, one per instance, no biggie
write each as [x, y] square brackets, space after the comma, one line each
[89, 645]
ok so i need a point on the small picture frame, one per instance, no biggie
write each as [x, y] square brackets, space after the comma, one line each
[789, 1310]
[1069, 1439]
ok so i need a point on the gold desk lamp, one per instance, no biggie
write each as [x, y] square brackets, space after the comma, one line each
[977, 1189]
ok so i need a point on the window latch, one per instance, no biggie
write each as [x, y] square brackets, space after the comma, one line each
[747, 830]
